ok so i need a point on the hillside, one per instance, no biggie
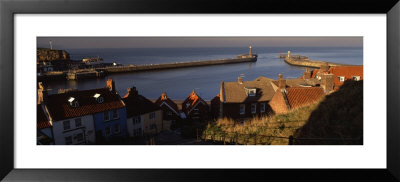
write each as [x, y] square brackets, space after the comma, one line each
[338, 115]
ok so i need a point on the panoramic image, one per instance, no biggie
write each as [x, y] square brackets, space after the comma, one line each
[199, 91]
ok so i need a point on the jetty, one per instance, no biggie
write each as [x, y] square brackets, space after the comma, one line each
[304, 61]
[77, 74]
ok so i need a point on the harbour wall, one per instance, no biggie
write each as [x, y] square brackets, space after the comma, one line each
[100, 72]
[298, 60]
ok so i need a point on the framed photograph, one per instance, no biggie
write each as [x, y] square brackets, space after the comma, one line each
[222, 89]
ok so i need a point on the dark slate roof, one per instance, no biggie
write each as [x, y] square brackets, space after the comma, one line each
[60, 108]
[167, 101]
[138, 105]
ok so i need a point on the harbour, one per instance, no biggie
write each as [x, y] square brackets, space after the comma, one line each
[204, 79]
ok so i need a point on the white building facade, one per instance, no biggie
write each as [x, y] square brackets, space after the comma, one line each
[74, 131]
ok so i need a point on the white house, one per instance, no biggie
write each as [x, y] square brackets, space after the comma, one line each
[74, 131]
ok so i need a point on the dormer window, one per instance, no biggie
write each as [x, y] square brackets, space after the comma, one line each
[356, 78]
[251, 91]
[98, 98]
[341, 78]
[73, 102]
[187, 105]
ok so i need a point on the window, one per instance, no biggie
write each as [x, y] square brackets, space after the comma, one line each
[106, 116]
[153, 126]
[78, 122]
[253, 108]
[100, 100]
[356, 78]
[117, 128]
[341, 78]
[196, 111]
[169, 113]
[115, 114]
[140, 131]
[68, 140]
[79, 137]
[187, 105]
[152, 115]
[136, 120]
[67, 125]
[252, 92]
[262, 107]
[242, 108]
[108, 131]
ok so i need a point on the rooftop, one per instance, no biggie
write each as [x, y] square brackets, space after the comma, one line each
[302, 96]
[60, 108]
[137, 105]
[234, 92]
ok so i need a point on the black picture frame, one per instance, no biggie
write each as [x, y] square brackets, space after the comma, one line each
[9, 8]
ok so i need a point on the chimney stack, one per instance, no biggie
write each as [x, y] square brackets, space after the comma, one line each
[324, 67]
[42, 93]
[307, 74]
[281, 82]
[240, 80]
[132, 92]
[327, 82]
[164, 96]
[111, 85]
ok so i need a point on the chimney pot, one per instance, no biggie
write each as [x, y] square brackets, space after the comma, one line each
[240, 80]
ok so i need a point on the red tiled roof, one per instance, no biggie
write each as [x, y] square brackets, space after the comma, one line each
[41, 119]
[193, 99]
[60, 108]
[302, 96]
[347, 71]
[137, 105]
[167, 101]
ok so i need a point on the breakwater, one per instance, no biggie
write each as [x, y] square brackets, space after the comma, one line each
[299, 60]
[103, 71]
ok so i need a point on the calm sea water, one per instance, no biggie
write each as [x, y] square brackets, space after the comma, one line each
[178, 83]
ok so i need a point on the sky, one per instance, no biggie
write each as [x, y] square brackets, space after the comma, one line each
[171, 42]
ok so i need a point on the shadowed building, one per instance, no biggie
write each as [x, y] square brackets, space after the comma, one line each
[144, 117]
[170, 110]
[195, 107]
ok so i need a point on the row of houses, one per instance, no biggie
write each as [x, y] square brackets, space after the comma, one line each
[100, 115]
[266, 96]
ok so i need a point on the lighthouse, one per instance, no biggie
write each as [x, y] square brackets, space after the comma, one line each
[288, 54]
[250, 51]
